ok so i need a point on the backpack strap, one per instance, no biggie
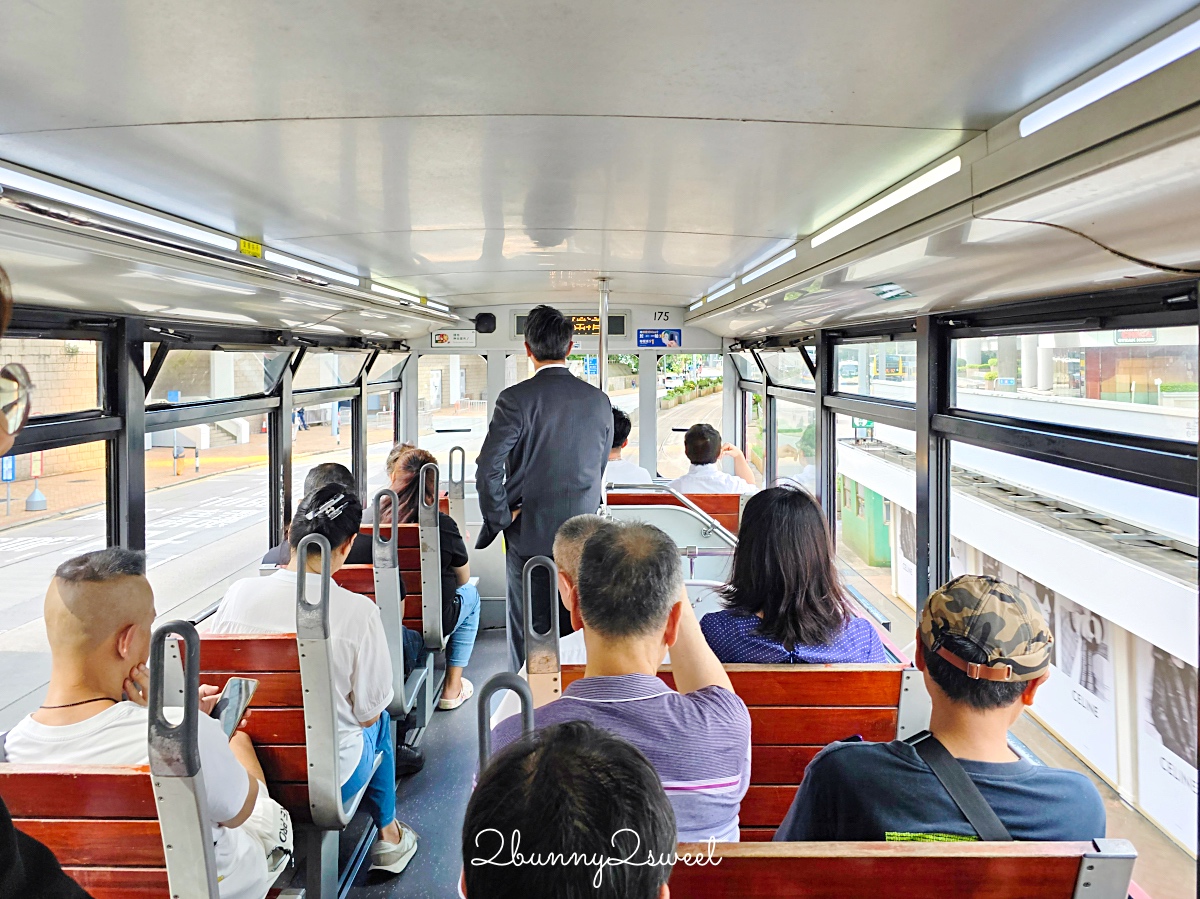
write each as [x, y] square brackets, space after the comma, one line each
[961, 788]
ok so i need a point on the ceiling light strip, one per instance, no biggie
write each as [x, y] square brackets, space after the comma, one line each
[1153, 58]
[393, 292]
[769, 266]
[720, 293]
[311, 267]
[911, 189]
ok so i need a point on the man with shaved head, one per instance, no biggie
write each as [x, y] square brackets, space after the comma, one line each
[99, 616]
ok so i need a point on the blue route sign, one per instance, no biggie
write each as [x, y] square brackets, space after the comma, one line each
[8, 469]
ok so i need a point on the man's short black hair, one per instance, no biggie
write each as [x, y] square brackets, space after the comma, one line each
[573, 795]
[622, 425]
[328, 473]
[103, 565]
[548, 333]
[629, 577]
[702, 444]
[979, 694]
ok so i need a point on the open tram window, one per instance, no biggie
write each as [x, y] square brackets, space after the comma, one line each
[196, 376]
[884, 369]
[787, 368]
[1131, 380]
[1112, 564]
[876, 527]
[452, 406]
[328, 369]
[689, 391]
[747, 368]
[65, 373]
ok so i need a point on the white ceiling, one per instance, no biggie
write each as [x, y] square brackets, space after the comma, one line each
[491, 153]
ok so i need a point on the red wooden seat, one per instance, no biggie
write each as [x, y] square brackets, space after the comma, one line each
[904, 870]
[276, 723]
[361, 578]
[724, 507]
[795, 710]
[100, 822]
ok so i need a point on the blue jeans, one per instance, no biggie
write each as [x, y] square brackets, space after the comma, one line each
[414, 650]
[380, 797]
[462, 639]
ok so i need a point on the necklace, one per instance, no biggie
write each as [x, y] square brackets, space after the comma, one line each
[70, 705]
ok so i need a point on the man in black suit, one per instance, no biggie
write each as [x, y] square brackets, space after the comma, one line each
[541, 463]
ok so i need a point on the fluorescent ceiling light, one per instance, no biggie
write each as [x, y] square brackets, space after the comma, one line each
[696, 305]
[310, 267]
[72, 197]
[392, 292]
[720, 293]
[911, 189]
[770, 266]
[442, 306]
[314, 304]
[1153, 58]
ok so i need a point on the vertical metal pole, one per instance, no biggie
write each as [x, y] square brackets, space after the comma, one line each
[648, 412]
[826, 429]
[933, 459]
[770, 427]
[409, 395]
[602, 361]
[126, 452]
[358, 438]
[279, 451]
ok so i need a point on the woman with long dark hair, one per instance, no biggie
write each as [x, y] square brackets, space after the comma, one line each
[460, 598]
[784, 601]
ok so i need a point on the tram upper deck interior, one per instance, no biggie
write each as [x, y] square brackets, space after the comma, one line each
[934, 262]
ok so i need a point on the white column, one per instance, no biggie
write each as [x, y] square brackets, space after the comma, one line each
[1029, 360]
[455, 380]
[1045, 368]
[648, 412]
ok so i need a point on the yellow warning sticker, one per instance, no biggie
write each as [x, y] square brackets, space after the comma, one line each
[249, 247]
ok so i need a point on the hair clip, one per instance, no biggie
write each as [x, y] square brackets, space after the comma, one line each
[330, 509]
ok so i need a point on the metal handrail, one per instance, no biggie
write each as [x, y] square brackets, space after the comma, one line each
[541, 650]
[714, 526]
[389, 597]
[505, 680]
[178, 778]
[431, 560]
[458, 487]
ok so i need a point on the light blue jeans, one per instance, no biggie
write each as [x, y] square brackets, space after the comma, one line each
[462, 639]
[380, 797]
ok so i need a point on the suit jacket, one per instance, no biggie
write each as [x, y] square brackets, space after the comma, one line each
[545, 452]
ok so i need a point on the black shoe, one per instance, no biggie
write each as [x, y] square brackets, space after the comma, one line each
[409, 760]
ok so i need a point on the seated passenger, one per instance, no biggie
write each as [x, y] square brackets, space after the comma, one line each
[362, 670]
[460, 598]
[569, 790]
[321, 476]
[702, 445]
[99, 615]
[618, 470]
[984, 649]
[631, 607]
[784, 601]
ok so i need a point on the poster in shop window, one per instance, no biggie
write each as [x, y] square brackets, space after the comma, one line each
[1166, 753]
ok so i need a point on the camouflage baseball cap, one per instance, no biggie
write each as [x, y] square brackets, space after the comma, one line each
[1005, 624]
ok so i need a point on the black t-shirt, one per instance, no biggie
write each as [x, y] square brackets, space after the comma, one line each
[885, 791]
[28, 870]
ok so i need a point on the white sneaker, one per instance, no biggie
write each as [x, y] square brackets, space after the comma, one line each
[394, 857]
[467, 691]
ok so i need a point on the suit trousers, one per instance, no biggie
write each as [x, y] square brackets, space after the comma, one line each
[514, 566]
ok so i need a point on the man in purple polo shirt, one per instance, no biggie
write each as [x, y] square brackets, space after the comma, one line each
[632, 607]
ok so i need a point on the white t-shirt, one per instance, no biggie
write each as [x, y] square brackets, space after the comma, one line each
[710, 479]
[622, 471]
[118, 736]
[358, 651]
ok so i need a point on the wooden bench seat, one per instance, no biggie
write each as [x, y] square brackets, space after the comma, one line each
[361, 578]
[906, 870]
[724, 507]
[796, 710]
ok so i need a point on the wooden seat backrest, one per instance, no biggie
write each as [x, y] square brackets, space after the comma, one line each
[724, 507]
[100, 822]
[796, 710]
[276, 723]
[894, 870]
[361, 578]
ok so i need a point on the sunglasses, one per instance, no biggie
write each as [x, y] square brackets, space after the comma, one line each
[15, 389]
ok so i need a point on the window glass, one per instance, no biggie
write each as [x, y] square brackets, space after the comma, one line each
[796, 444]
[452, 406]
[886, 370]
[318, 369]
[199, 451]
[754, 444]
[876, 528]
[387, 367]
[788, 369]
[517, 367]
[65, 373]
[1113, 567]
[52, 511]
[320, 433]
[381, 432]
[1134, 380]
[585, 366]
[623, 392]
[748, 369]
[193, 376]
[689, 391]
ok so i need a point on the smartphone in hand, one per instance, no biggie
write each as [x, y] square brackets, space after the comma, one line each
[233, 702]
